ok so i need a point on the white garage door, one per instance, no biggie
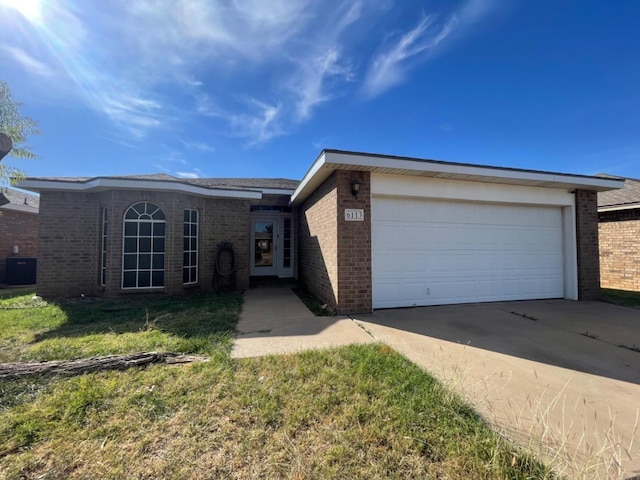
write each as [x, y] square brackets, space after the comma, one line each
[430, 252]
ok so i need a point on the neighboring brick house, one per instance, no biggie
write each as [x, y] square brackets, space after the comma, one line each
[360, 231]
[18, 226]
[619, 235]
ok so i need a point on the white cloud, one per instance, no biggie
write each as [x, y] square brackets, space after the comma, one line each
[258, 68]
[259, 126]
[187, 175]
[202, 147]
[28, 62]
[311, 86]
[390, 67]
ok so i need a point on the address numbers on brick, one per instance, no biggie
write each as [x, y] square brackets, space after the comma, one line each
[354, 214]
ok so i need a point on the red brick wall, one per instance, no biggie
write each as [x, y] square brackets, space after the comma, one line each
[334, 254]
[354, 245]
[587, 245]
[71, 229]
[17, 228]
[619, 236]
[318, 242]
[68, 250]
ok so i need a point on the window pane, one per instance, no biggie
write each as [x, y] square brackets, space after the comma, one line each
[185, 230]
[132, 214]
[185, 259]
[186, 216]
[144, 261]
[158, 279]
[194, 259]
[158, 245]
[194, 216]
[145, 229]
[130, 245]
[144, 279]
[194, 244]
[129, 279]
[194, 274]
[130, 262]
[185, 243]
[185, 275]
[144, 245]
[194, 230]
[158, 261]
[130, 229]
[104, 228]
[104, 259]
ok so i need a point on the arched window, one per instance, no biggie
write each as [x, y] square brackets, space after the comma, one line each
[143, 246]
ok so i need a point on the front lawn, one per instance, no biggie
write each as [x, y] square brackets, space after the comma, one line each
[34, 330]
[352, 412]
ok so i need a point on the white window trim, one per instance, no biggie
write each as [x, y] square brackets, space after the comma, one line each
[189, 251]
[103, 249]
[137, 270]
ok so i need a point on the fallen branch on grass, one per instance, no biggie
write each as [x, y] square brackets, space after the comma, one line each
[92, 364]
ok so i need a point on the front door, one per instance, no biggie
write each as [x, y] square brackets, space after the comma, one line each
[264, 246]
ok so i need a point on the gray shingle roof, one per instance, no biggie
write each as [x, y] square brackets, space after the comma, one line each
[12, 196]
[277, 183]
[626, 197]
[224, 183]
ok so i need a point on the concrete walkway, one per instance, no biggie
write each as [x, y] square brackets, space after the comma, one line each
[549, 374]
[274, 321]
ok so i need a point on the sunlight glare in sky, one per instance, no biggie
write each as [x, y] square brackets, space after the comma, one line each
[30, 9]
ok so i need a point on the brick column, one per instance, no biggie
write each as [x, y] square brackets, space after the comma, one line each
[587, 245]
[354, 244]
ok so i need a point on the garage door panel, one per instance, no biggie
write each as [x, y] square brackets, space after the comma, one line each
[428, 252]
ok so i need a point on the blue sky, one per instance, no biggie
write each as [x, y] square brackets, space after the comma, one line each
[234, 88]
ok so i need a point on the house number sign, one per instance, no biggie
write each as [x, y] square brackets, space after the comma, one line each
[354, 214]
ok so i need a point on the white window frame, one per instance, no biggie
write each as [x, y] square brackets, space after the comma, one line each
[103, 256]
[146, 212]
[190, 247]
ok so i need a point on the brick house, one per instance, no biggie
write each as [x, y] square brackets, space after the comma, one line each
[18, 226]
[360, 231]
[619, 236]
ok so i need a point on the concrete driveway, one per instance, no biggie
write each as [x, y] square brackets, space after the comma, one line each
[551, 375]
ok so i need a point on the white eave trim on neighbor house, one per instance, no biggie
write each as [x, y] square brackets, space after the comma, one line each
[102, 184]
[20, 208]
[613, 208]
[276, 191]
[331, 160]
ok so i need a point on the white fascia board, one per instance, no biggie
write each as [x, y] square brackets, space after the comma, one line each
[275, 191]
[20, 208]
[327, 162]
[613, 208]
[311, 179]
[373, 162]
[101, 184]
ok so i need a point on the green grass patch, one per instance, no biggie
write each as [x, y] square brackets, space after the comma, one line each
[34, 330]
[621, 297]
[352, 412]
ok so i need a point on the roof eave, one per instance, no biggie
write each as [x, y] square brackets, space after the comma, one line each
[20, 208]
[100, 184]
[611, 208]
[329, 161]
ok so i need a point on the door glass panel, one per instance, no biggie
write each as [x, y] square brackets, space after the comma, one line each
[263, 234]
